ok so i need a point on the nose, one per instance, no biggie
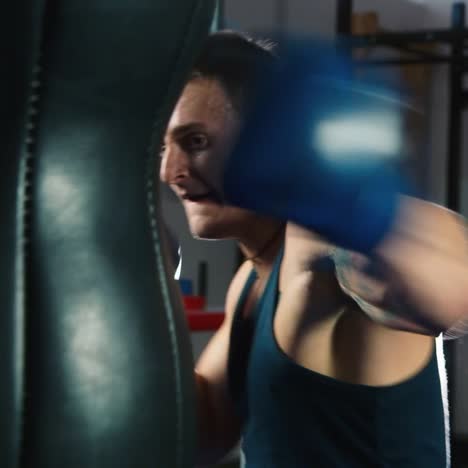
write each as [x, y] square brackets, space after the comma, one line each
[175, 165]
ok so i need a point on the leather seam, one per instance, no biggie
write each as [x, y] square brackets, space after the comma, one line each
[24, 228]
[172, 89]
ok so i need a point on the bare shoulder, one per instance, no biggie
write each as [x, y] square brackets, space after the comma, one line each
[212, 363]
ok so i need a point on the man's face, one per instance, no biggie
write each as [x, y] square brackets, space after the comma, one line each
[200, 134]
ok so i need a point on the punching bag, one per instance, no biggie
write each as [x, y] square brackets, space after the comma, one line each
[94, 348]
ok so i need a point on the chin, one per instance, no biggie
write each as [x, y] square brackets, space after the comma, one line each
[217, 223]
[205, 221]
[207, 232]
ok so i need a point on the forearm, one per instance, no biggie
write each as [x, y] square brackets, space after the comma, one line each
[217, 432]
[430, 225]
[422, 287]
[417, 278]
[425, 260]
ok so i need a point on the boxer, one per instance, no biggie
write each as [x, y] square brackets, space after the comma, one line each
[327, 355]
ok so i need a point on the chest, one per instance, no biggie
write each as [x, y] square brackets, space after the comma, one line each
[298, 321]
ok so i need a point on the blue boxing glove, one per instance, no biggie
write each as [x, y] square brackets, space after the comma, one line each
[320, 149]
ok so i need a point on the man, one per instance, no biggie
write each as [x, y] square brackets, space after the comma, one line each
[320, 362]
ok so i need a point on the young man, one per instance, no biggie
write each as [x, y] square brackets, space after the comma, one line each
[319, 362]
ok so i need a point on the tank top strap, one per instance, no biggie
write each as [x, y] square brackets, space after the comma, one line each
[243, 331]
[244, 294]
[266, 306]
[241, 335]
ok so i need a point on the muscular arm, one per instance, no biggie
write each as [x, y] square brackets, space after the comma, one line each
[219, 427]
[414, 285]
[322, 330]
[418, 278]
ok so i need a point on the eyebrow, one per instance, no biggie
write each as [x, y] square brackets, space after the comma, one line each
[182, 130]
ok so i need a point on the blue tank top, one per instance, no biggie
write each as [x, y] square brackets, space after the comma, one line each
[297, 418]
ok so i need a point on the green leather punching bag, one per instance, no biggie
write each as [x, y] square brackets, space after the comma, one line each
[95, 353]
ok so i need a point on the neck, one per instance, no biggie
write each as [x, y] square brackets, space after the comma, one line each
[261, 246]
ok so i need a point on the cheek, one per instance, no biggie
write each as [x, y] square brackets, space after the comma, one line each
[211, 167]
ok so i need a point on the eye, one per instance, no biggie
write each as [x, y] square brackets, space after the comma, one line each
[195, 142]
[162, 150]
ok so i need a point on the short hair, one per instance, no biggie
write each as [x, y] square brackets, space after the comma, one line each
[235, 60]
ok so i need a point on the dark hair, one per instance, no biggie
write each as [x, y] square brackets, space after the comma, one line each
[235, 60]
